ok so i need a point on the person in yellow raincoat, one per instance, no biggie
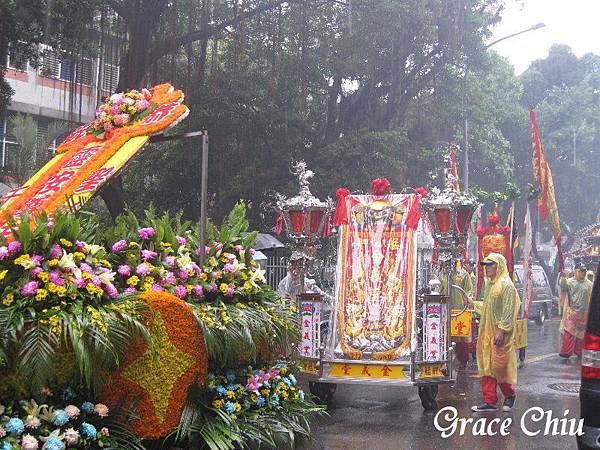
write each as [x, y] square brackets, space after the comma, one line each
[496, 356]
[578, 291]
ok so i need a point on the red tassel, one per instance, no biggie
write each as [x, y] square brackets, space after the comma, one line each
[341, 213]
[279, 224]
[327, 228]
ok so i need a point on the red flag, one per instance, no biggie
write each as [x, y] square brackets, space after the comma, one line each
[543, 178]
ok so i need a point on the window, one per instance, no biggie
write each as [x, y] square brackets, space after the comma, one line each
[539, 278]
[67, 70]
[110, 77]
[85, 71]
[50, 64]
[17, 61]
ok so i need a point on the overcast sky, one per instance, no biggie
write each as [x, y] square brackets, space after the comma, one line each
[571, 22]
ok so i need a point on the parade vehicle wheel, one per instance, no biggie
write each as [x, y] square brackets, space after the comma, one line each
[428, 394]
[541, 318]
[323, 391]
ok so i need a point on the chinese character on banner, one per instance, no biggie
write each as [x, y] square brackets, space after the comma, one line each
[346, 369]
[35, 204]
[56, 183]
[159, 113]
[13, 193]
[365, 370]
[81, 157]
[78, 133]
[385, 370]
[91, 183]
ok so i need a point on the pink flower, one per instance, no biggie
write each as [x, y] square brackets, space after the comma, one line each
[130, 290]
[180, 291]
[121, 119]
[143, 269]
[169, 278]
[183, 274]
[107, 126]
[37, 259]
[239, 248]
[129, 101]
[230, 292]
[14, 247]
[157, 287]
[198, 291]
[80, 245]
[119, 246]
[29, 443]
[56, 278]
[2, 432]
[146, 233]
[86, 268]
[29, 289]
[252, 251]
[35, 272]
[72, 411]
[170, 261]
[141, 105]
[80, 283]
[146, 93]
[112, 291]
[228, 267]
[46, 392]
[56, 252]
[197, 270]
[219, 247]
[104, 431]
[3, 252]
[181, 240]
[253, 384]
[101, 409]
[124, 270]
[206, 250]
[71, 436]
[148, 254]
[215, 274]
[213, 288]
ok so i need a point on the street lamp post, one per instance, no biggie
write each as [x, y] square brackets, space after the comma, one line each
[537, 26]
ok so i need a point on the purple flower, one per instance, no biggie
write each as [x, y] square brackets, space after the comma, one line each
[206, 250]
[56, 278]
[169, 278]
[228, 267]
[213, 288]
[143, 269]
[124, 270]
[86, 268]
[130, 290]
[119, 246]
[170, 261]
[252, 251]
[3, 252]
[146, 233]
[148, 254]
[80, 283]
[239, 248]
[112, 291]
[80, 245]
[35, 272]
[180, 291]
[14, 247]
[37, 259]
[157, 287]
[56, 252]
[29, 289]
[198, 291]
[183, 274]
[197, 270]
[219, 247]
[215, 274]
[253, 384]
[230, 292]
[181, 240]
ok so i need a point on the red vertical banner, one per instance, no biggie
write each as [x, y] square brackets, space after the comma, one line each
[527, 262]
[542, 175]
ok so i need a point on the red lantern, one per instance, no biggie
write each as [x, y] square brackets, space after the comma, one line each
[442, 218]
[297, 220]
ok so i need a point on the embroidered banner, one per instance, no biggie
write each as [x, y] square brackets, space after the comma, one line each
[376, 278]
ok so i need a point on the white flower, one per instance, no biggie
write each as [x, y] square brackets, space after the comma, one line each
[184, 261]
[92, 249]
[32, 421]
[29, 442]
[27, 263]
[258, 275]
[107, 277]
[71, 436]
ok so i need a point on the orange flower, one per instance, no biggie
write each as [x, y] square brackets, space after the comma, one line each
[157, 383]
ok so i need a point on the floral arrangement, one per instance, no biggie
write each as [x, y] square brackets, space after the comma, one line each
[381, 186]
[157, 379]
[120, 109]
[31, 427]
[254, 389]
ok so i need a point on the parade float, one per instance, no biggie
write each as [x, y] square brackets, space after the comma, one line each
[380, 329]
[137, 335]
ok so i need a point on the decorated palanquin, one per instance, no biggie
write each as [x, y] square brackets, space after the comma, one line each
[376, 274]
[493, 238]
[94, 153]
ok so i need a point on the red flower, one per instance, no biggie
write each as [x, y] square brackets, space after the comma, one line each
[380, 186]
[421, 191]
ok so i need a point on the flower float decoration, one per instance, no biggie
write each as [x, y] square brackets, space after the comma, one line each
[87, 159]
[157, 380]
[381, 186]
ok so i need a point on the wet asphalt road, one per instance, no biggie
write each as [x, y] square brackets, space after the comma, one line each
[380, 418]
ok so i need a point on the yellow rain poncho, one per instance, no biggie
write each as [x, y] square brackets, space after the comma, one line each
[498, 310]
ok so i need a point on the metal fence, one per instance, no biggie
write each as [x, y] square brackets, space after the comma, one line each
[276, 270]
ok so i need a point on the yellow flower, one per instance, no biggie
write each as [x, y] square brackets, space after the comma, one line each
[41, 294]
[106, 263]
[133, 244]
[243, 276]
[237, 406]
[90, 288]
[203, 277]
[189, 287]
[8, 300]
[3, 274]
[62, 291]
[78, 255]
[86, 276]
[22, 260]
[218, 403]
[265, 392]
[212, 261]
[44, 276]
[165, 244]
[53, 262]
[52, 288]
[248, 286]
[223, 288]
[66, 243]
[149, 280]
[133, 280]
[146, 287]
[230, 394]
